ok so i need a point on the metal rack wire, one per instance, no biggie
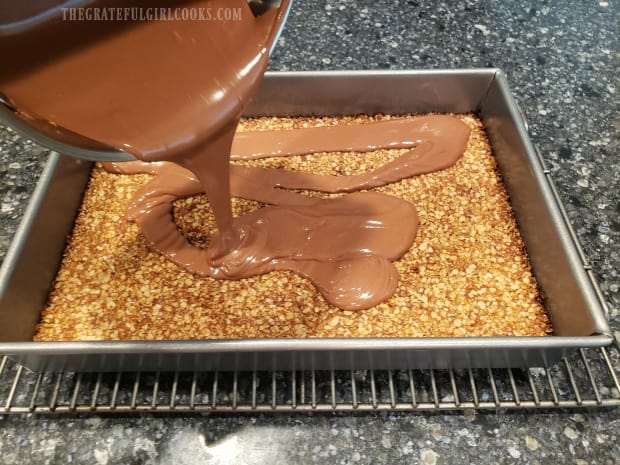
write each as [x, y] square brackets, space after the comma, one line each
[587, 378]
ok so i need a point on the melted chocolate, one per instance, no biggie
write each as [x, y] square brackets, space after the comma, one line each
[156, 89]
[174, 91]
[345, 246]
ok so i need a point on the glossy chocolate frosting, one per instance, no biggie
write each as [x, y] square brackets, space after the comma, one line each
[344, 245]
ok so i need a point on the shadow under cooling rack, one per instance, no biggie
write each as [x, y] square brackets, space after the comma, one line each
[586, 379]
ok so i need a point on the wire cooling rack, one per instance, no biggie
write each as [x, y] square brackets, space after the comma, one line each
[587, 378]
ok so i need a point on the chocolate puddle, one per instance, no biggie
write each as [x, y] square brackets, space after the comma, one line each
[174, 91]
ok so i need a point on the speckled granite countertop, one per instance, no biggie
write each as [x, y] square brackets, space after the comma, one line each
[561, 61]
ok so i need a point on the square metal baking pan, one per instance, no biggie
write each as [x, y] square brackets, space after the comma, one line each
[570, 293]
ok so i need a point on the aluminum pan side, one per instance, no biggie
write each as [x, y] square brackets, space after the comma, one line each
[570, 296]
[289, 354]
[312, 93]
[30, 265]
[370, 92]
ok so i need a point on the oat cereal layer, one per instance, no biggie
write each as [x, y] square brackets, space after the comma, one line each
[467, 273]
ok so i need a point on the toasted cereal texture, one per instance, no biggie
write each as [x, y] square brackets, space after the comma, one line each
[467, 273]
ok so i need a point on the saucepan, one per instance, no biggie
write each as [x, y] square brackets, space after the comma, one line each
[62, 140]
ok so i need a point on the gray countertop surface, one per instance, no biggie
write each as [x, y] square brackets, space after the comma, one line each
[561, 60]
